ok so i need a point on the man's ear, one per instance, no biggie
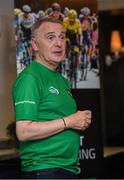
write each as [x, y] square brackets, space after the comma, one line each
[34, 44]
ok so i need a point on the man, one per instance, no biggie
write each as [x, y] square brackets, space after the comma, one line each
[47, 120]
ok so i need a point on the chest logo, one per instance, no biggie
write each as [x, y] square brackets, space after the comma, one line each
[53, 90]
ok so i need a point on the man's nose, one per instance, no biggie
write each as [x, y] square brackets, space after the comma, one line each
[58, 42]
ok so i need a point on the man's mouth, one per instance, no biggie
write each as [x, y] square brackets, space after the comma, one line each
[58, 53]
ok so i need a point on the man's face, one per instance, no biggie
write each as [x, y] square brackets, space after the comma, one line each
[51, 41]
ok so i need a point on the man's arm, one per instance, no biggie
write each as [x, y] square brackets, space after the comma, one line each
[28, 130]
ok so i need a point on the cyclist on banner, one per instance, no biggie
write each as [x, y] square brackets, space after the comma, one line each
[74, 35]
[56, 11]
[73, 31]
[86, 26]
[18, 35]
[26, 20]
[66, 10]
[40, 14]
[85, 19]
[17, 26]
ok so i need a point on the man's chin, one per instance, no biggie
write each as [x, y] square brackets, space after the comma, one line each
[58, 59]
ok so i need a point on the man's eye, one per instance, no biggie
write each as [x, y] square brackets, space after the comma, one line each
[50, 37]
[62, 37]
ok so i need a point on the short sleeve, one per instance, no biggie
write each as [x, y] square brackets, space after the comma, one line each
[26, 97]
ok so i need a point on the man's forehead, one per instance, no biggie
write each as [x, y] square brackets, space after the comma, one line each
[52, 25]
[54, 32]
[52, 28]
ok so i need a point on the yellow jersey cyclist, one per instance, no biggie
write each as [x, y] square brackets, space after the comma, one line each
[73, 32]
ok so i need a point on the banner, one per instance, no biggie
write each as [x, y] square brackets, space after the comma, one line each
[81, 65]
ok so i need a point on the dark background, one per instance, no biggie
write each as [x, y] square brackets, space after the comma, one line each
[37, 5]
[112, 80]
[91, 99]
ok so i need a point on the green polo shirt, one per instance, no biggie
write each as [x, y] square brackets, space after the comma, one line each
[41, 94]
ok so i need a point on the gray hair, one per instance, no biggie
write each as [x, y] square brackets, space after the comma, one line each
[38, 23]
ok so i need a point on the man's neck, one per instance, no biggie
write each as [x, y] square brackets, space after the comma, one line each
[49, 64]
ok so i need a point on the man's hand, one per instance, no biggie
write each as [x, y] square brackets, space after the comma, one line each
[79, 120]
